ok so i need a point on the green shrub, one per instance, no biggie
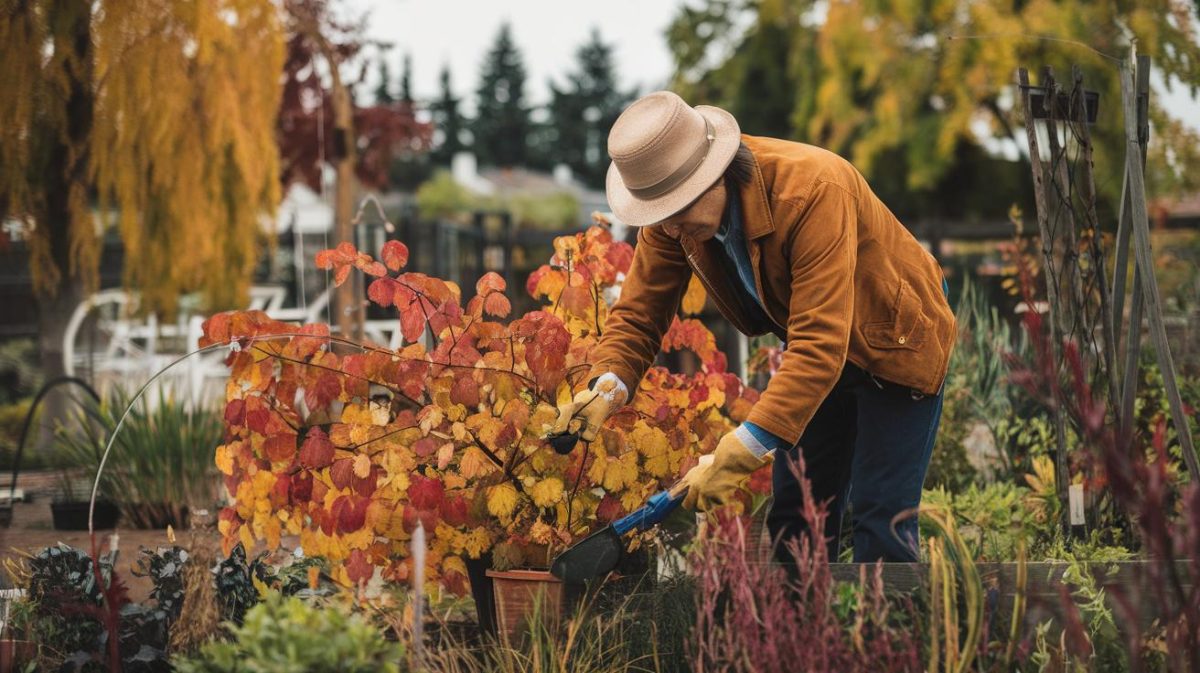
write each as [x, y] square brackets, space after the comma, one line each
[287, 635]
[161, 462]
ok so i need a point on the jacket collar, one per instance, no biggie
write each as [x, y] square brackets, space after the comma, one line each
[756, 213]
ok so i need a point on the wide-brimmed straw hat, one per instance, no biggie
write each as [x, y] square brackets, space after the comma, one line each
[665, 154]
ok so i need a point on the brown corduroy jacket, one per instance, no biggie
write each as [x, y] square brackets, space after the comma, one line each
[835, 270]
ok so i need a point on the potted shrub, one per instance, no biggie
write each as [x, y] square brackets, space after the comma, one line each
[161, 461]
[348, 447]
[76, 454]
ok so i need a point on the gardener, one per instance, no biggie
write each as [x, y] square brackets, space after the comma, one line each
[787, 239]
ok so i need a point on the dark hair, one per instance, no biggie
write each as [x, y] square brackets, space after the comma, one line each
[741, 170]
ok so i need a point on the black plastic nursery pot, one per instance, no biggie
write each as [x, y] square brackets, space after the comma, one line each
[74, 515]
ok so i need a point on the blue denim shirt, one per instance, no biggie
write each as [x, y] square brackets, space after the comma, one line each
[732, 241]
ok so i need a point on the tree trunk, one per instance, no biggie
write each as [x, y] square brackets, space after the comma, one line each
[349, 304]
[70, 255]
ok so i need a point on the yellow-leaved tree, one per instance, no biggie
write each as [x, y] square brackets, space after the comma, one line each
[918, 93]
[158, 115]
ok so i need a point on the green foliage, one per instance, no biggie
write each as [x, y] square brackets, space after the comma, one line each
[12, 419]
[910, 91]
[442, 197]
[288, 635]
[162, 460]
[992, 519]
[553, 212]
[20, 370]
[977, 392]
[501, 126]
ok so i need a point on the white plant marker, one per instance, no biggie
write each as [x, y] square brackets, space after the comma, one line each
[418, 588]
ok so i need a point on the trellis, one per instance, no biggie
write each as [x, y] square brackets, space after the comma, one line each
[1083, 306]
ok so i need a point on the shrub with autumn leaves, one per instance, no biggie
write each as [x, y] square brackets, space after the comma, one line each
[348, 445]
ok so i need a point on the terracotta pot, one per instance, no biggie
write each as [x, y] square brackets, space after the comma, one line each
[16, 652]
[517, 592]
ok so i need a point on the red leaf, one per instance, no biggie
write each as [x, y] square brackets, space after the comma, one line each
[425, 446]
[358, 568]
[425, 492]
[350, 513]
[490, 282]
[325, 390]
[215, 329]
[317, 450]
[340, 276]
[342, 473]
[235, 412]
[497, 304]
[577, 299]
[412, 323]
[382, 291]
[302, 487]
[427, 517]
[609, 509]
[370, 266]
[280, 447]
[395, 255]
[454, 511]
[465, 391]
[546, 350]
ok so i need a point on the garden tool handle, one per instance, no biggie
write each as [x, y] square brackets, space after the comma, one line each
[653, 512]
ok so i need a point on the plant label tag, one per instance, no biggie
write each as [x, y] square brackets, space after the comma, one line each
[1075, 503]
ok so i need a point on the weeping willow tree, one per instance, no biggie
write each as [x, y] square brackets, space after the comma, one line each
[156, 116]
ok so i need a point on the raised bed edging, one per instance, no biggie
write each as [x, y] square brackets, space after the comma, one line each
[1043, 582]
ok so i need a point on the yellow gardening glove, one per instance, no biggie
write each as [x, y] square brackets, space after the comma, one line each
[711, 485]
[590, 408]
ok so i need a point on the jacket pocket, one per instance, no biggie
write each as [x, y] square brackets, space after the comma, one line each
[906, 328]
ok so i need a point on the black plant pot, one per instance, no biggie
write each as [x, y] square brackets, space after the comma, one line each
[74, 515]
[482, 592]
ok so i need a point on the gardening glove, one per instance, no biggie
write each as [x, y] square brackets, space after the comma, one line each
[591, 407]
[711, 485]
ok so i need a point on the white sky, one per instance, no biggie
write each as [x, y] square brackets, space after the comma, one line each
[547, 32]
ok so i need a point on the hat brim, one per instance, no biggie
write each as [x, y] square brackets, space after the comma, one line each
[635, 212]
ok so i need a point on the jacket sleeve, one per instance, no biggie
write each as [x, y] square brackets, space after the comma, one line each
[822, 256]
[648, 303]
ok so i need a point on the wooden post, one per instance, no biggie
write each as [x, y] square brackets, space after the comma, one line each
[1078, 115]
[1140, 224]
[1061, 476]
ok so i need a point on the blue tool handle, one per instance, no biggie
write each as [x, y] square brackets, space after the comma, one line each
[651, 514]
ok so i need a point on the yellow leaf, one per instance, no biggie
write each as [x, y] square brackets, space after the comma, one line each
[547, 492]
[541, 532]
[693, 299]
[362, 466]
[355, 414]
[502, 500]
[224, 459]
[474, 463]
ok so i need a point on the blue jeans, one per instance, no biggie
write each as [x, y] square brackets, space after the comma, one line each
[869, 444]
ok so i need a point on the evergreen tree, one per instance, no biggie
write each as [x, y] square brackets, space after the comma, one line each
[501, 127]
[383, 91]
[448, 119]
[584, 109]
[406, 81]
